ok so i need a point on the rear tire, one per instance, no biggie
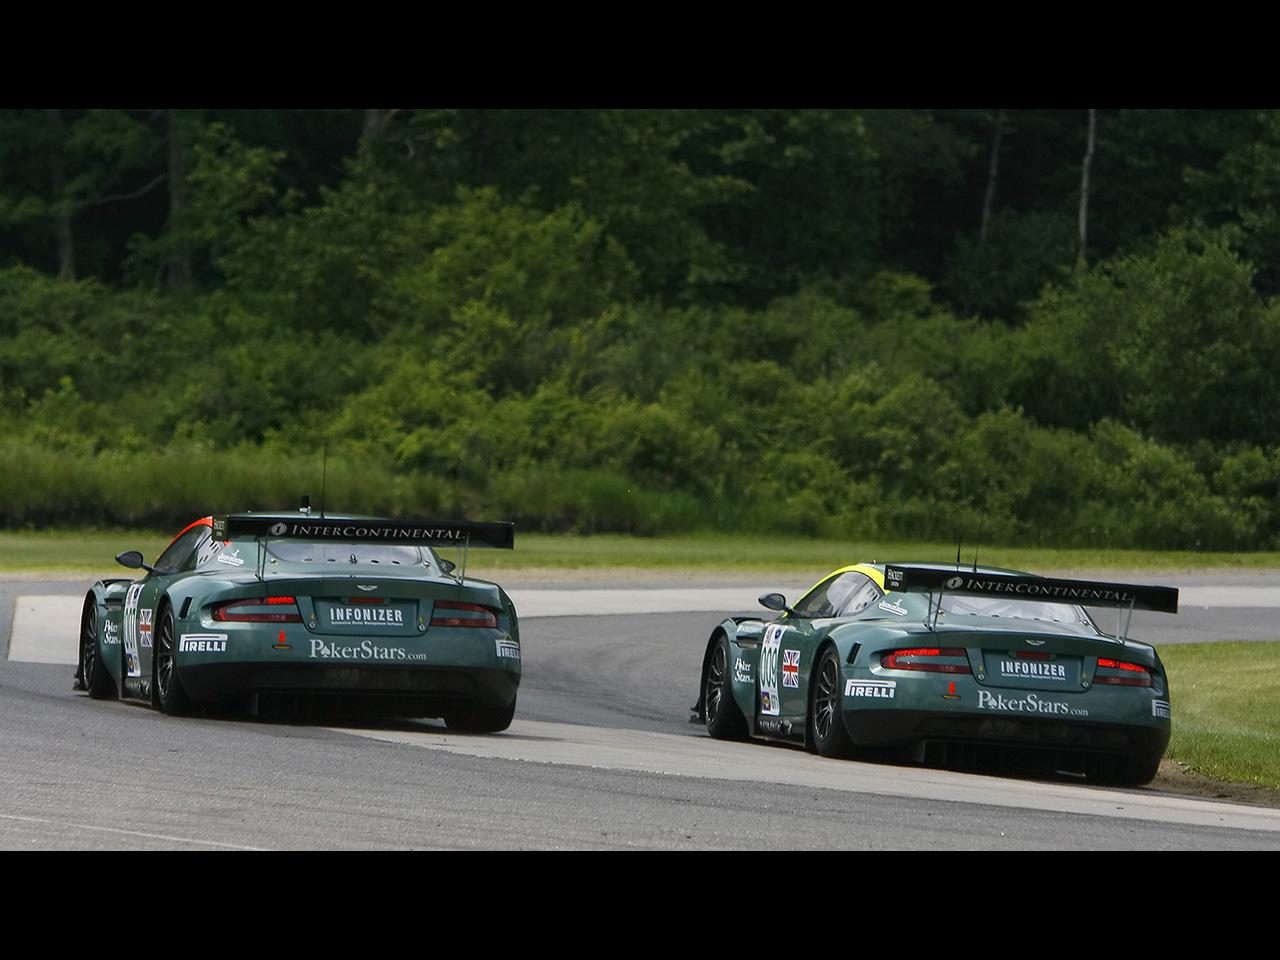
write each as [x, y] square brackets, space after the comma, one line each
[93, 672]
[1137, 772]
[480, 718]
[171, 697]
[827, 731]
[723, 716]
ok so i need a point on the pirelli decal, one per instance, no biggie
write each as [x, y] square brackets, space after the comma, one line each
[876, 689]
[1088, 593]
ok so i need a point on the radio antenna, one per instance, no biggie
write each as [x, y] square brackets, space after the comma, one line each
[978, 542]
[324, 471]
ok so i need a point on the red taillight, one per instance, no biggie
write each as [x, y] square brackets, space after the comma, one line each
[1124, 674]
[252, 610]
[461, 614]
[932, 659]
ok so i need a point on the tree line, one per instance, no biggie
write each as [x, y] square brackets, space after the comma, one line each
[1054, 325]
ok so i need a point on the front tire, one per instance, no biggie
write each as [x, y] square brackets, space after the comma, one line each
[480, 718]
[171, 697]
[827, 731]
[723, 716]
[93, 672]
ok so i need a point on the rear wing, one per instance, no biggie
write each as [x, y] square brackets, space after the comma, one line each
[1088, 593]
[414, 533]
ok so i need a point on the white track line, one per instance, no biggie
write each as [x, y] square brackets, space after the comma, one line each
[128, 833]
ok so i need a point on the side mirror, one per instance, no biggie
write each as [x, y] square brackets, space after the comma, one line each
[133, 560]
[775, 601]
[448, 566]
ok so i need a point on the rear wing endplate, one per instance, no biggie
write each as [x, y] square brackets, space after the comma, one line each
[1087, 593]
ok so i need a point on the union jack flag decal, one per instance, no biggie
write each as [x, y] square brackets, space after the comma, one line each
[791, 668]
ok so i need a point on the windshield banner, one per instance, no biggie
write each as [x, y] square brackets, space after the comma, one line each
[1088, 593]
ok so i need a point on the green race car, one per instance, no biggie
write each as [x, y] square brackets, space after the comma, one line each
[277, 606]
[984, 668]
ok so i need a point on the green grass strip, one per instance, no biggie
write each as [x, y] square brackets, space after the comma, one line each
[94, 550]
[1226, 709]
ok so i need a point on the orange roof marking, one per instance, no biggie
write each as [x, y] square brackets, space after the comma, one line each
[202, 522]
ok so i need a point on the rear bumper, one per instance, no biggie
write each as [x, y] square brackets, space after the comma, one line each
[891, 728]
[434, 686]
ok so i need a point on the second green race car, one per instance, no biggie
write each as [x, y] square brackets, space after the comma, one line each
[983, 668]
[285, 606]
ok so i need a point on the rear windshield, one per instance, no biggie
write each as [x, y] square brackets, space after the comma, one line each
[315, 551]
[1014, 609]
[244, 553]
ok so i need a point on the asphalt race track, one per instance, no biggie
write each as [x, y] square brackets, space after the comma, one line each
[601, 754]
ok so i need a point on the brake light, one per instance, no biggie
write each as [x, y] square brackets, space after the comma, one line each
[1121, 673]
[931, 659]
[259, 610]
[455, 613]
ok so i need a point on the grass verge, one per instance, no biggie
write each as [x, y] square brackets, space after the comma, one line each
[92, 550]
[1226, 709]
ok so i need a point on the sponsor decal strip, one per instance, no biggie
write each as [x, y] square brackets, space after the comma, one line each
[1028, 704]
[880, 689]
[365, 650]
[203, 643]
[366, 616]
[1032, 670]
[414, 532]
[132, 663]
[1086, 592]
[770, 703]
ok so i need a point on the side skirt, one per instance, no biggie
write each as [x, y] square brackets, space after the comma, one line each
[781, 729]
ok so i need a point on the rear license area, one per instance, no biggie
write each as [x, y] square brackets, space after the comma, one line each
[1030, 670]
[357, 615]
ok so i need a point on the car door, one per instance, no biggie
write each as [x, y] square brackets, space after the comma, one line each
[800, 636]
[142, 599]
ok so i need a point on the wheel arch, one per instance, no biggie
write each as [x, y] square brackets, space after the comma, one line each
[163, 605]
[827, 643]
[700, 708]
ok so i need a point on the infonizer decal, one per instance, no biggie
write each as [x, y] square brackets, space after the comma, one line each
[508, 648]
[893, 606]
[1032, 670]
[366, 616]
[1160, 708]
[769, 702]
[110, 632]
[741, 671]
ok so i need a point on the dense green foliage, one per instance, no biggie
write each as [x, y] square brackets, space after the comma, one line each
[639, 321]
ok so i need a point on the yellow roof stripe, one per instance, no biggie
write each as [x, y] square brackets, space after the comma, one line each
[875, 573]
